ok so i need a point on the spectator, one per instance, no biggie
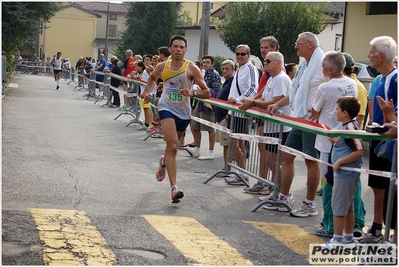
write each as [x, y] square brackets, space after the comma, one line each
[100, 76]
[362, 92]
[323, 110]
[277, 87]
[345, 153]
[221, 117]
[382, 52]
[244, 85]
[290, 69]
[373, 90]
[48, 66]
[205, 111]
[128, 67]
[267, 44]
[115, 82]
[146, 106]
[302, 94]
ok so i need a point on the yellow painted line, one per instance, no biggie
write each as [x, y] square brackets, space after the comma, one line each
[69, 238]
[195, 241]
[290, 235]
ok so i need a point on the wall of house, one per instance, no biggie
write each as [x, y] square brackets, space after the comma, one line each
[195, 10]
[360, 29]
[70, 31]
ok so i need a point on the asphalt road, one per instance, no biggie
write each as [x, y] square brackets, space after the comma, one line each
[62, 152]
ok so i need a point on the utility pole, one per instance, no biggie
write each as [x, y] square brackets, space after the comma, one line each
[106, 36]
[205, 24]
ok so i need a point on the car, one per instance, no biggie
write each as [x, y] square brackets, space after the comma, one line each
[363, 70]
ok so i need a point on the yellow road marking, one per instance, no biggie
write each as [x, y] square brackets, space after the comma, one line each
[69, 238]
[195, 241]
[290, 235]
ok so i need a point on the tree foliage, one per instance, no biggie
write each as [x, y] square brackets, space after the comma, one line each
[21, 21]
[149, 25]
[248, 22]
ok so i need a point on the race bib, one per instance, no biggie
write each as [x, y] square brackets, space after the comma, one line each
[174, 96]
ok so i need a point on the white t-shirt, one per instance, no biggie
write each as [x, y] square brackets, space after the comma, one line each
[325, 102]
[276, 86]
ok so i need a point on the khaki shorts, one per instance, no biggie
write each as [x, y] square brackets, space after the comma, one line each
[222, 137]
[195, 125]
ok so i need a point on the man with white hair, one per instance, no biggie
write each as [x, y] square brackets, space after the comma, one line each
[307, 79]
[382, 53]
[277, 87]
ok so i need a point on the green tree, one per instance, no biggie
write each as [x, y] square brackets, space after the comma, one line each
[248, 22]
[21, 21]
[149, 25]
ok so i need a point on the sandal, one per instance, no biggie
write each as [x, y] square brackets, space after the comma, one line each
[157, 136]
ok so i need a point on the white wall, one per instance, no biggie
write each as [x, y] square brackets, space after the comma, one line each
[216, 45]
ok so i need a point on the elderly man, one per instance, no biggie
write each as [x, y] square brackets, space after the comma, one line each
[308, 78]
[382, 52]
[277, 87]
[244, 85]
[267, 44]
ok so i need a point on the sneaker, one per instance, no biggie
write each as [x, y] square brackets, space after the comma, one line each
[357, 231]
[57, 87]
[192, 151]
[323, 232]
[236, 181]
[123, 108]
[280, 207]
[270, 197]
[349, 243]
[319, 192]
[208, 155]
[333, 243]
[305, 210]
[176, 195]
[161, 173]
[258, 188]
[143, 128]
[369, 238]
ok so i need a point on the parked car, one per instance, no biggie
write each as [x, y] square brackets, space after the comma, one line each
[363, 70]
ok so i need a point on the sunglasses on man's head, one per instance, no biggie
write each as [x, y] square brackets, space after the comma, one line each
[241, 54]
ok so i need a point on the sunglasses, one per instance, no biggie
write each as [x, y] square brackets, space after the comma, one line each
[268, 61]
[241, 54]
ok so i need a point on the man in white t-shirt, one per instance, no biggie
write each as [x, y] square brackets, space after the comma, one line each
[327, 95]
[277, 87]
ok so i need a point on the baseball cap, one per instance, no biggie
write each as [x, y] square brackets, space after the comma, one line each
[349, 61]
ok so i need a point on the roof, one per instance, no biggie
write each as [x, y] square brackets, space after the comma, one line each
[332, 9]
[103, 7]
[80, 8]
[193, 27]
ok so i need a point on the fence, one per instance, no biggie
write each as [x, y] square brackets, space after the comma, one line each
[249, 151]
[254, 117]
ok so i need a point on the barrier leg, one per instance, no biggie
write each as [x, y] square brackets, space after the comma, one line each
[391, 198]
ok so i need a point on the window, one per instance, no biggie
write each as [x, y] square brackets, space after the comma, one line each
[380, 8]
[211, 5]
[113, 16]
[112, 31]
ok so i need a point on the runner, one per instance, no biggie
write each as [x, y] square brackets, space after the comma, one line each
[58, 65]
[174, 107]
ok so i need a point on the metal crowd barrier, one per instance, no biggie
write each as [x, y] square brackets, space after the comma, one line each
[249, 122]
